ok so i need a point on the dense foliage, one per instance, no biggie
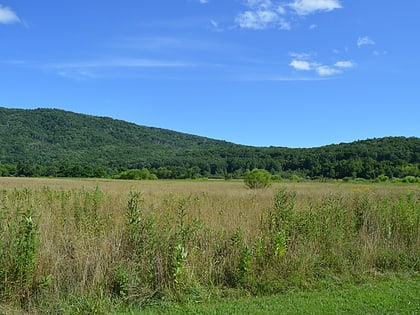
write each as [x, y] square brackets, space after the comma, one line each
[50, 142]
[257, 178]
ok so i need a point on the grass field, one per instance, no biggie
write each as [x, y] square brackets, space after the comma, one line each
[90, 246]
[393, 296]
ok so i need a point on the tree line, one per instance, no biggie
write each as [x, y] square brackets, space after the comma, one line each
[307, 168]
[56, 143]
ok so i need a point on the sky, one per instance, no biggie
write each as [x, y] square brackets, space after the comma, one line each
[289, 73]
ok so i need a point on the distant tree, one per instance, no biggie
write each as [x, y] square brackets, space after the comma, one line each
[134, 174]
[382, 178]
[163, 173]
[4, 170]
[257, 178]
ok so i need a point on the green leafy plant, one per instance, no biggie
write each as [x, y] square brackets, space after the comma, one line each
[121, 282]
[280, 244]
[178, 263]
[257, 178]
[19, 240]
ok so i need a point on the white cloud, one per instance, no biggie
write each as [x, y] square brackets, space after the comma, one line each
[281, 10]
[321, 70]
[257, 19]
[327, 71]
[380, 53]
[8, 16]
[262, 14]
[305, 7]
[120, 63]
[301, 56]
[118, 67]
[304, 62]
[344, 64]
[78, 74]
[284, 25]
[365, 40]
[265, 4]
[262, 19]
[301, 65]
[215, 26]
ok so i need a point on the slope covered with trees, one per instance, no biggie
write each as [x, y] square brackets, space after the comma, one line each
[51, 142]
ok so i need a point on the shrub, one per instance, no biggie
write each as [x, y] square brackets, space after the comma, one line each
[383, 178]
[409, 179]
[136, 174]
[257, 178]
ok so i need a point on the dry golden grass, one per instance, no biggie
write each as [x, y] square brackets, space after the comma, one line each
[86, 245]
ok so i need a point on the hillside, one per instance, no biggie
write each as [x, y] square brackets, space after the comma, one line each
[51, 142]
[47, 136]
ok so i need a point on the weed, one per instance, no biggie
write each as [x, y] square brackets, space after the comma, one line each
[178, 263]
[18, 252]
[280, 245]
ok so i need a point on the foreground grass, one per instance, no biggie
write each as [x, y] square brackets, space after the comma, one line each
[395, 295]
[88, 247]
[392, 296]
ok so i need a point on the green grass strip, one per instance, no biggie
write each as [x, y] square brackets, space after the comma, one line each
[396, 296]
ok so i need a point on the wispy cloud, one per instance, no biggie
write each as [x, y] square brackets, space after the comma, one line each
[166, 47]
[129, 68]
[14, 62]
[118, 67]
[325, 71]
[302, 56]
[279, 78]
[301, 65]
[122, 63]
[303, 62]
[365, 41]
[380, 53]
[214, 23]
[149, 43]
[215, 26]
[265, 14]
[76, 74]
[306, 7]
[8, 16]
[344, 64]
[262, 14]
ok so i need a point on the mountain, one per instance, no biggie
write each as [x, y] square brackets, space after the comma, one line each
[51, 142]
[45, 136]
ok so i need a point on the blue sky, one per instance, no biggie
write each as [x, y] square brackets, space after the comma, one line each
[295, 73]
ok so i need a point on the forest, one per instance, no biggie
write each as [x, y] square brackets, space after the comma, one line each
[56, 143]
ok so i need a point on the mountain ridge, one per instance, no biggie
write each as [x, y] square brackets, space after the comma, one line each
[50, 137]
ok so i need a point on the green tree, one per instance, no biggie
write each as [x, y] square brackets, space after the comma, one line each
[257, 178]
[134, 174]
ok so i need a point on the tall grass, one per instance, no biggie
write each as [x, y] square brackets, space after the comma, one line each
[138, 242]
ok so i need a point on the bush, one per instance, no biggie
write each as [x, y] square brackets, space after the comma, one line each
[409, 179]
[136, 174]
[383, 178]
[257, 178]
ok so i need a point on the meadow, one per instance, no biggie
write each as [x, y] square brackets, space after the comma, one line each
[72, 246]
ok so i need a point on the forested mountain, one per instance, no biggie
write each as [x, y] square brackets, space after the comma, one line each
[51, 142]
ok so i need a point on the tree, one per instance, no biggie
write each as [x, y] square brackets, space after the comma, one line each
[257, 178]
[135, 174]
